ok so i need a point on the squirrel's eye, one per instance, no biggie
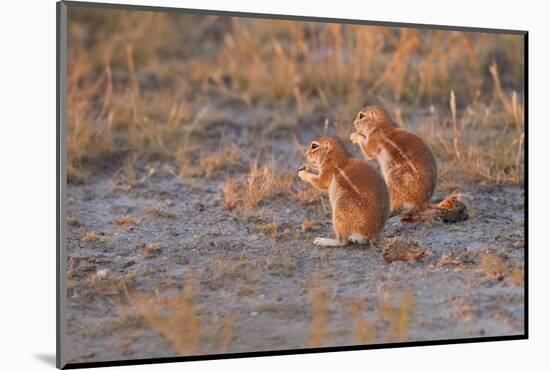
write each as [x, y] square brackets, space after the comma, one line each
[314, 145]
[361, 115]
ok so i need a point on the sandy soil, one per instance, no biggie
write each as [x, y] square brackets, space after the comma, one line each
[266, 285]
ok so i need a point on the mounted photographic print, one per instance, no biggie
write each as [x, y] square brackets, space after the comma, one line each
[234, 184]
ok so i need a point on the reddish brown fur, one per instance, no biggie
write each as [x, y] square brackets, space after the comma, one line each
[410, 188]
[358, 194]
[451, 209]
[407, 163]
[411, 170]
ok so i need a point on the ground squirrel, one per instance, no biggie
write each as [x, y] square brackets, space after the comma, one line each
[407, 163]
[358, 194]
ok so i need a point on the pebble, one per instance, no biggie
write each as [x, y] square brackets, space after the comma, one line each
[102, 273]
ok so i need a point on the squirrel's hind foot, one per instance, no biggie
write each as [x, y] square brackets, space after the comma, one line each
[328, 242]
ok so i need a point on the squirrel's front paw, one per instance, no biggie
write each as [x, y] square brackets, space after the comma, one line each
[306, 171]
[355, 137]
[303, 173]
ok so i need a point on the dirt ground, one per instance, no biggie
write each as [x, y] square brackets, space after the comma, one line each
[253, 281]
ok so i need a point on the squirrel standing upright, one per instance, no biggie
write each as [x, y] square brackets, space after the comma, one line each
[357, 192]
[408, 166]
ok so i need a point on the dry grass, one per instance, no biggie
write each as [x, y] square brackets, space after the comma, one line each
[514, 108]
[458, 259]
[130, 173]
[148, 89]
[464, 309]
[226, 332]
[494, 266]
[150, 249]
[106, 100]
[318, 334]
[92, 236]
[175, 318]
[109, 283]
[305, 194]
[125, 179]
[486, 141]
[159, 212]
[308, 226]
[73, 221]
[208, 163]
[261, 182]
[280, 261]
[315, 62]
[182, 321]
[402, 249]
[223, 270]
[126, 221]
[365, 332]
[518, 276]
[89, 130]
[273, 229]
[232, 194]
[245, 290]
[219, 160]
[400, 316]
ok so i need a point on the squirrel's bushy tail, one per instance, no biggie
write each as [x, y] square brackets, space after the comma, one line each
[450, 210]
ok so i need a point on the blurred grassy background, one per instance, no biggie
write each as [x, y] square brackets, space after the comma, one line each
[142, 81]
